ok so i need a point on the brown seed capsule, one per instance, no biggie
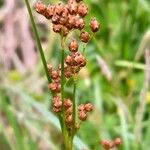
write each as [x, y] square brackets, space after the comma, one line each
[57, 28]
[105, 144]
[55, 87]
[68, 72]
[117, 141]
[64, 31]
[69, 119]
[82, 9]
[57, 103]
[67, 103]
[49, 11]
[55, 19]
[85, 37]
[88, 107]
[81, 107]
[59, 8]
[82, 115]
[72, 7]
[73, 46]
[94, 25]
[54, 74]
[68, 111]
[79, 23]
[69, 60]
[80, 60]
[40, 7]
[71, 22]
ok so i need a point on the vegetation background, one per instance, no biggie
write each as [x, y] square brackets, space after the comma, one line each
[116, 79]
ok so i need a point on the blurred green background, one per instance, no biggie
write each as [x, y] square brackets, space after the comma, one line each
[114, 79]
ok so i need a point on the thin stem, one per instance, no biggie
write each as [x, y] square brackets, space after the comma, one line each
[74, 107]
[38, 40]
[67, 142]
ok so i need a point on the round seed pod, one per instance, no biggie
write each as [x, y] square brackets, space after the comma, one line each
[94, 25]
[82, 9]
[84, 36]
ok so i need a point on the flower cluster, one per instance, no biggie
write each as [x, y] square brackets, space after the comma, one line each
[66, 18]
[107, 144]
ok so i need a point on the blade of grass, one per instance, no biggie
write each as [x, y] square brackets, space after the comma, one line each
[38, 40]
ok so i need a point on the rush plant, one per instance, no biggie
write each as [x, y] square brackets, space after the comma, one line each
[66, 18]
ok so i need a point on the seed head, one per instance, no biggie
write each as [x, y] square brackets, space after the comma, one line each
[40, 7]
[69, 119]
[67, 103]
[57, 28]
[54, 86]
[82, 115]
[56, 110]
[79, 23]
[72, 7]
[68, 111]
[94, 25]
[88, 107]
[55, 19]
[73, 46]
[82, 9]
[117, 141]
[84, 36]
[81, 107]
[49, 11]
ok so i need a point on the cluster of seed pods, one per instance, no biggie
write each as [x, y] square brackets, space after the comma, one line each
[66, 18]
[107, 144]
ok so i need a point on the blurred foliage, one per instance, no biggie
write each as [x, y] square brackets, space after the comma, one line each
[25, 119]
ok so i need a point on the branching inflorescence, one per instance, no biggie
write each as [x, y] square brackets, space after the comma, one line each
[66, 18]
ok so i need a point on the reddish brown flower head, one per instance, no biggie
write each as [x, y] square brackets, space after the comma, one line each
[82, 9]
[73, 46]
[82, 115]
[105, 144]
[80, 60]
[49, 11]
[40, 7]
[67, 103]
[68, 72]
[71, 22]
[85, 37]
[72, 7]
[94, 25]
[68, 111]
[54, 86]
[57, 28]
[59, 8]
[55, 19]
[69, 60]
[64, 31]
[79, 23]
[117, 141]
[57, 103]
[88, 107]
[54, 74]
[81, 107]
[69, 119]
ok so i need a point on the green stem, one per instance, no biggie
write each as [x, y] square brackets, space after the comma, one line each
[74, 107]
[67, 141]
[38, 40]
